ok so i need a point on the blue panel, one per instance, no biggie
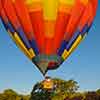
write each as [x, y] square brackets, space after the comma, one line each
[19, 31]
[8, 25]
[3, 22]
[61, 49]
[72, 40]
[34, 46]
[23, 38]
[85, 29]
[89, 27]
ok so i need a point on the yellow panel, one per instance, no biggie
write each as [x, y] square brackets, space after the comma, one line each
[66, 53]
[30, 54]
[68, 2]
[75, 44]
[50, 9]
[28, 1]
[23, 46]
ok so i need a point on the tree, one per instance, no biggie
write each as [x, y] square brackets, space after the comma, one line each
[66, 88]
[62, 89]
[9, 94]
[92, 96]
[98, 92]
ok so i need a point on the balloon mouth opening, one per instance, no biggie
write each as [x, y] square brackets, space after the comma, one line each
[47, 62]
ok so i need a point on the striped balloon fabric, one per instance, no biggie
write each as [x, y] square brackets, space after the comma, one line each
[47, 31]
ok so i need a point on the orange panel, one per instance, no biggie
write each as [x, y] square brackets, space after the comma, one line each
[65, 8]
[34, 7]
[49, 28]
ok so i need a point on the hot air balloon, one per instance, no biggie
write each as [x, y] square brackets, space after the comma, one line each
[47, 31]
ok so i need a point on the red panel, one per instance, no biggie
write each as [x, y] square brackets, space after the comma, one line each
[23, 15]
[52, 65]
[74, 20]
[38, 27]
[85, 17]
[0, 6]
[48, 46]
[93, 5]
[61, 23]
[2, 13]
[10, 11]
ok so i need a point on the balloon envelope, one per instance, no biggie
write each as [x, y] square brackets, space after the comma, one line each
[47, 31]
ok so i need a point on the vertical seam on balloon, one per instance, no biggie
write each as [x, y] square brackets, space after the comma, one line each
[24, 31]
[77, 27]
[19, 24]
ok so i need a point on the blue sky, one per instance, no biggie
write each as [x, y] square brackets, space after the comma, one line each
[17, 72]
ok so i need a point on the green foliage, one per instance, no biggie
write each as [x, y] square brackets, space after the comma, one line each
[68, 87]
[98, 91]
[12, 95]
[64, 90]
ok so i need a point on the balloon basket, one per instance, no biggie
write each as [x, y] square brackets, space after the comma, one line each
[48, 83]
